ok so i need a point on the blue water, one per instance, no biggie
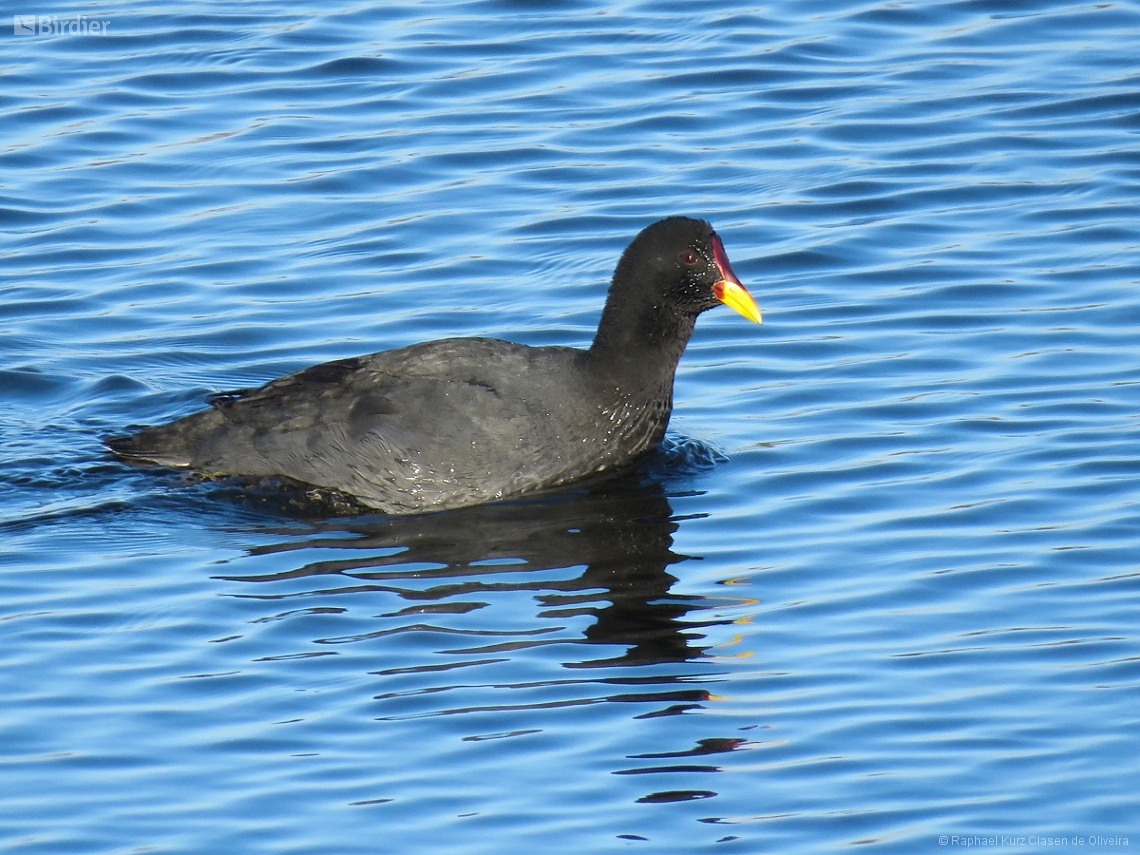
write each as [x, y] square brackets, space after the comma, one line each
[882, 587]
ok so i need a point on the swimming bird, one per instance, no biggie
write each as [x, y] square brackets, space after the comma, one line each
[464, 421]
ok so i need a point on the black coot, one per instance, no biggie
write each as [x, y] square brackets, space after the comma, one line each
[463, 421]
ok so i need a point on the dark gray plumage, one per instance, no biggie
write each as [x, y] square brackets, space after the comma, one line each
[469, 420]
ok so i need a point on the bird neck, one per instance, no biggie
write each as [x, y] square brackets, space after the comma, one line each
[640, 351]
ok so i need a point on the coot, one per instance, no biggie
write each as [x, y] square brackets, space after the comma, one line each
[464, 421]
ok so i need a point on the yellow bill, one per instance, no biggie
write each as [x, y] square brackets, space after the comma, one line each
[729, 290]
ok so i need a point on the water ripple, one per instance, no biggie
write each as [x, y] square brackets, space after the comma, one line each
[878, 587]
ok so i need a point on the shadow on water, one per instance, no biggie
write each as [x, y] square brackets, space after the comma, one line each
[604, 553]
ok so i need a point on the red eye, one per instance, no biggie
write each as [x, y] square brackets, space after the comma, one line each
[688, 257]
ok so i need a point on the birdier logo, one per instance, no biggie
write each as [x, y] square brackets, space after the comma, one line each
[53, 25]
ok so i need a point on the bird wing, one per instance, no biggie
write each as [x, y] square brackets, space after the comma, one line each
[423, 425]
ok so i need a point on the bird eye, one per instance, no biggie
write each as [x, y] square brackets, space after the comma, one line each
[688, 257]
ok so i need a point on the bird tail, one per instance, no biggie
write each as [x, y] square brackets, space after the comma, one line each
[149, 445]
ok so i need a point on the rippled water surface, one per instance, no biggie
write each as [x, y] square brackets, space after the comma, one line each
[882, 586]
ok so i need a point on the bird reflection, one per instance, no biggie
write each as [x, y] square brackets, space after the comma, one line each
[614, 540]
